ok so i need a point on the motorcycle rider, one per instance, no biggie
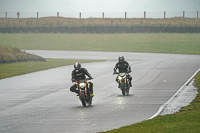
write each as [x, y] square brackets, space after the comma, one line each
[123, 67]
[79, 74]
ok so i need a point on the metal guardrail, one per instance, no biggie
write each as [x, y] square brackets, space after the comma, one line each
[100, 29]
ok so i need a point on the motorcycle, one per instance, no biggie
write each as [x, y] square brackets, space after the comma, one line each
[123, 81]
[84, 95]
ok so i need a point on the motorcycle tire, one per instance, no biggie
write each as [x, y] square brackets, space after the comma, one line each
[123, 92]
[83, 99]
[122, 87]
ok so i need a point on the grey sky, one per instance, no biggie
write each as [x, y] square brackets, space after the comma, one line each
[93, 6]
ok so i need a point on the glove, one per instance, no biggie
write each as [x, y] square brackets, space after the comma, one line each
[129, 72]
[91, 78]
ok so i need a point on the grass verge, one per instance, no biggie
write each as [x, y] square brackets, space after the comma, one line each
[14, 69]
[187, 120]
[177, 43]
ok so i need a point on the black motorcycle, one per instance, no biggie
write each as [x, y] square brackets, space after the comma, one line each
[84, 95]
[123, 82]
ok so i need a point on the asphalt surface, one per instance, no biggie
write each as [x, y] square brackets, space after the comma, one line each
[41, 102]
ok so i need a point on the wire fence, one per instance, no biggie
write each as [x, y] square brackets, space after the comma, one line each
[144, 14]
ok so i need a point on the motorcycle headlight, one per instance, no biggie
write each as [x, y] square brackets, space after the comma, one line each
[82, 85]
[119, 77]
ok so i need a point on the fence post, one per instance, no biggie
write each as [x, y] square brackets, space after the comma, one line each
[57, 14]
[103, 15]
[80, 15]
[164, 14]
[125, 14]
[144, 14]
[183, 14]
[197, 14]
[6, 14]
[18, 15]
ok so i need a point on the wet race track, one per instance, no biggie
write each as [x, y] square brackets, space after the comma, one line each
[41, 102]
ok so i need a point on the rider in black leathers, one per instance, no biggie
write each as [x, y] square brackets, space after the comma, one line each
[123, 67]
[79, 74]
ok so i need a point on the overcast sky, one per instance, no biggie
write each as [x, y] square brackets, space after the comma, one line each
[93, 6]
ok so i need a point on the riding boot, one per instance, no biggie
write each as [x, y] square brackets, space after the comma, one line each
[130, 84]
[76, 91]
[91, 89]
[130, 80]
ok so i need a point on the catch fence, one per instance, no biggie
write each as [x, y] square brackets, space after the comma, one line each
[96, 22]
[144, 14]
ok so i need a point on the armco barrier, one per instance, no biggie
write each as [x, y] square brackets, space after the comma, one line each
[55, 29]
[3, 30]
[33, 29]
[39, 29]
[10, 29]
[155, 29]
[120, 29]
[17, 29]
[25, 29]
[62, 29]
[100, 29]
[47, 29]
[128, 29]
[105, 29]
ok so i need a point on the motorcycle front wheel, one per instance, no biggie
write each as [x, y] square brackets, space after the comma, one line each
[123, 92]
[83, 99]
[122, 87]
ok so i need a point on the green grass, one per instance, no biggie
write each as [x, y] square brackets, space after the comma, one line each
[187, 43]
[187, 120]
[14, 69]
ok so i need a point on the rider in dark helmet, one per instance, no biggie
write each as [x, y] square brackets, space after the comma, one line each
[79, 74]
[123, 67]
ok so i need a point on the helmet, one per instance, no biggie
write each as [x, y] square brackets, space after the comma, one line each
[77, 66]
[121, 59]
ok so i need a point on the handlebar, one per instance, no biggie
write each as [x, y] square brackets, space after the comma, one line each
[119, 73]
[83, 79]
[115, 73]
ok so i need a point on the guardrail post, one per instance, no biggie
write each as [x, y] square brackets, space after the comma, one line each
[6, 14]
[103, 15]
[57, 14]
[183, 14]
[125, 14]
[197, 14]
[144, 14]
[80, 15]
[37, 15]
